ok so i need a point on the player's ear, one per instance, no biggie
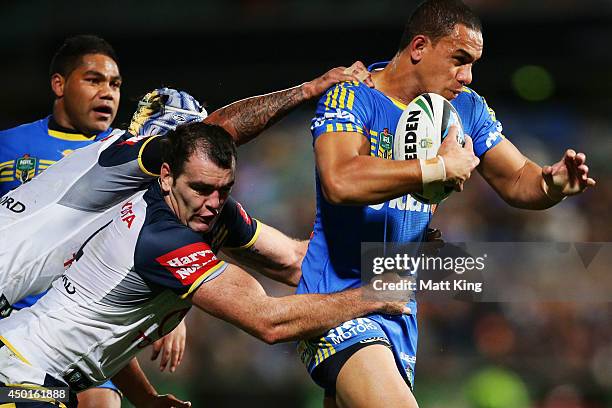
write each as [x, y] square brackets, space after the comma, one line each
[166, 179]
[57, 85]
[417, 47]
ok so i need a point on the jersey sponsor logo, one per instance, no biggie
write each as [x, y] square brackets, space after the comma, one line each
[350, 329]
[337, 114]
[493, 136]
[189, 262]
[127, 214]
[243, 213]
[25, 168]
[133, 140]
[408, 358]
[70, 289]
[12, 204]
[69, 261]
[5, 307]
[410, 137]
[404, 203]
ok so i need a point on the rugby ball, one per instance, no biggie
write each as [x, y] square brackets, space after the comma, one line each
[420, 131]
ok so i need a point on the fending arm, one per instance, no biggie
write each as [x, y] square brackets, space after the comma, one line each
[524, 184]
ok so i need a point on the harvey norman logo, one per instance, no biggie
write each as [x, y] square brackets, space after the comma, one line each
[189, 262]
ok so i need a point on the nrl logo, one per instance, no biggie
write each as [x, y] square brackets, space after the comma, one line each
[386, 144]
[25, 167]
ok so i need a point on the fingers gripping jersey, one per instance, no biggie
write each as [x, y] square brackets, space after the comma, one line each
[332, 262]
[43, 222]
[127, 288]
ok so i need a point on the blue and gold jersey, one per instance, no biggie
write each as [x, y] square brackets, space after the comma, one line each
[332, 262]
[28, 149]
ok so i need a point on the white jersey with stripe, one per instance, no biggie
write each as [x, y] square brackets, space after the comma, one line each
[128, 286]
[43, 222]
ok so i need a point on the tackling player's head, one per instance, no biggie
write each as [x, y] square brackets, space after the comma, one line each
[442, 39]
[198, 172]
[86, 82]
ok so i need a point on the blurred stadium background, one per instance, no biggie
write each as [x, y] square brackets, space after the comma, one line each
[545, 71]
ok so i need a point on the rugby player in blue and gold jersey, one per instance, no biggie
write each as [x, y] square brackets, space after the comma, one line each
[86, 82]
[362, 196]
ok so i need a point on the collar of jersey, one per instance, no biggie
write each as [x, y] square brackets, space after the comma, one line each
[66, 134]
[380, 65]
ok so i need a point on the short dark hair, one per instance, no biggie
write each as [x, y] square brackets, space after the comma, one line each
[211, 140]
[69, 55]
[437, 18]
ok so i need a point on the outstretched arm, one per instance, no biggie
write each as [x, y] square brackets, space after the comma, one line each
[236, 297]
[524, 184]
[246, 118]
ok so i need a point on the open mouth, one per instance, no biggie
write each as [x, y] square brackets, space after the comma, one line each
[105, 111]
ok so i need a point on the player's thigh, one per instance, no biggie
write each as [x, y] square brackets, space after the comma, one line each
[99, 398]
[370, 379]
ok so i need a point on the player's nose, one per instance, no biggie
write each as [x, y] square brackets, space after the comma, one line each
[213, 202]
[107, 92]
[464, 76]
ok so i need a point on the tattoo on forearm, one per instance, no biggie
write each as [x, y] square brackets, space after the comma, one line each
[251, 116]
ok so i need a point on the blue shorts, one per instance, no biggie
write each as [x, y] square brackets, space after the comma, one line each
[111, 386]
[399, 332]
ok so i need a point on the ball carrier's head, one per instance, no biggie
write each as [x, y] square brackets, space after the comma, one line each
[441, 42]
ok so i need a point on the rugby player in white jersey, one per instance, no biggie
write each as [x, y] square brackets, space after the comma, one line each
[43, 222]
[135, 278]
[76, 194]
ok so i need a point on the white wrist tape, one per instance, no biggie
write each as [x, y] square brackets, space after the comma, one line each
[433, 170]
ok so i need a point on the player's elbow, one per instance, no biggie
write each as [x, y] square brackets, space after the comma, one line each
[270, 333]
[337, 190]
[222, 119]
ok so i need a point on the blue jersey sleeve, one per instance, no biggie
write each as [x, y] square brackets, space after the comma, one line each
[479, 121]
[343, 108]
